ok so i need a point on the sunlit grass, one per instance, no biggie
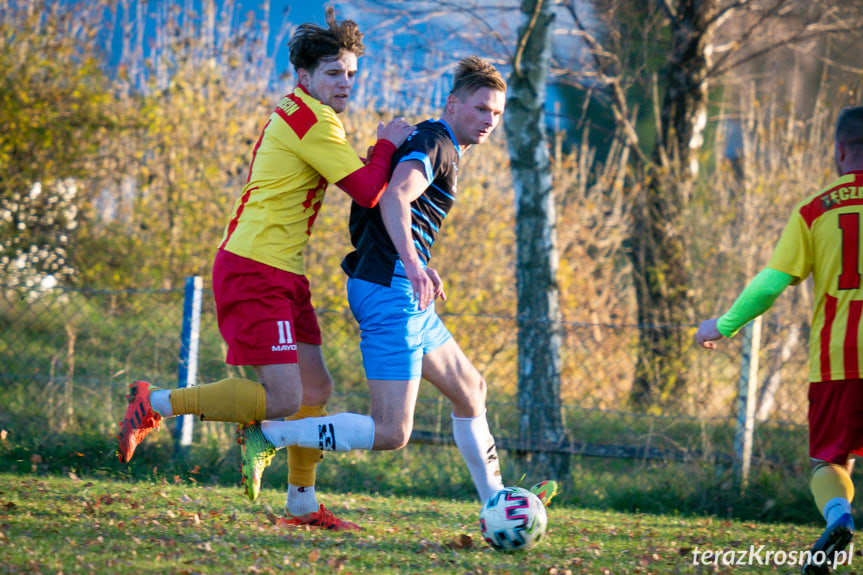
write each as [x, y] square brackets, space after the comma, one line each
[68, 524]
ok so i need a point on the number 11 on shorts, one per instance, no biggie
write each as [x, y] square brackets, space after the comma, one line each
[285, 336]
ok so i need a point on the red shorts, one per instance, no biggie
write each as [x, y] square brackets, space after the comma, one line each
[836, 420]
[262, 311]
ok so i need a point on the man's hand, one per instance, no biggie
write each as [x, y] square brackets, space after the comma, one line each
[422, 283]
[707, 333]
[438, 283]
[396, 131]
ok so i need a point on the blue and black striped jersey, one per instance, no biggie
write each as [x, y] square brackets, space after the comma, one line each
[432, 144]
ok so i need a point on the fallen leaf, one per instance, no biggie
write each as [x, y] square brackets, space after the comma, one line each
[271, 517]
[337, 563]
[463, 542]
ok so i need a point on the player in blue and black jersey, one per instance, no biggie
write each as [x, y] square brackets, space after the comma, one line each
[391, 291]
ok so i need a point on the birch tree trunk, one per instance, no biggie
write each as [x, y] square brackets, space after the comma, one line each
[539, 323]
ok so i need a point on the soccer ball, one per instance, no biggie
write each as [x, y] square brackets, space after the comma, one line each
[513, 519]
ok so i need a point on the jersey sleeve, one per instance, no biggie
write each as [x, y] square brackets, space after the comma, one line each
[366, 185]
[325, 147]
[754, 300]
[422, 146]
[794, 253]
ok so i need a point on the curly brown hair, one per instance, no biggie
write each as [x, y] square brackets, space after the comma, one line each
[312, 44]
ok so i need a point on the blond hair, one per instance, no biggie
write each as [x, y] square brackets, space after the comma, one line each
[473, 73]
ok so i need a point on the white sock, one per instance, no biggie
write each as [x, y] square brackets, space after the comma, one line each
[339, 432]
[301, 500]
[473, 438]
[160, 399]
[835, 508]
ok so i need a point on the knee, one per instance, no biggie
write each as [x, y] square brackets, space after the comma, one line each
[317, 392]
[390, 437]
[283, 403]
[481, 390]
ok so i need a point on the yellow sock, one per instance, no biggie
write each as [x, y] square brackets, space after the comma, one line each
[231, 399]
[829, 481]
[303, 461]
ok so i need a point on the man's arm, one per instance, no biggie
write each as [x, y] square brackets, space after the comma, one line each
[753, 301]
[407, 183]
[366, 185]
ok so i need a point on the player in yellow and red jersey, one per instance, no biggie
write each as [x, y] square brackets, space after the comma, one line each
[822, 238]
[263, 299]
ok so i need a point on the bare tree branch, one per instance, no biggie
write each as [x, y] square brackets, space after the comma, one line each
[802, 35]
[728, 11]
[747, 34]
[611, 79]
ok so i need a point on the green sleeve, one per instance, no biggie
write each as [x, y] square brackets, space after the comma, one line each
[756, 299]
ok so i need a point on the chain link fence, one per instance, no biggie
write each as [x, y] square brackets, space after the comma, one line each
[67, 356]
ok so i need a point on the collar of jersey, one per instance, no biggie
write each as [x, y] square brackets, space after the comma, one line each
[451, 135]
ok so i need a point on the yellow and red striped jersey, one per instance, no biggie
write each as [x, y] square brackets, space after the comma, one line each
[822, 237]
[302, 147]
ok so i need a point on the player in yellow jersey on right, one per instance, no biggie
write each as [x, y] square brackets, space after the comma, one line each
[822, 238]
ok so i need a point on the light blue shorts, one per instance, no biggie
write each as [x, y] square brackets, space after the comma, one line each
[395, 334]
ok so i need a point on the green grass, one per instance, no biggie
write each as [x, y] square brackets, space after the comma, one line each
[690, 488]
[52, 524]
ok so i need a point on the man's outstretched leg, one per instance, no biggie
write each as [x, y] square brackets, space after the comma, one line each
[388, 428]
[230, 399]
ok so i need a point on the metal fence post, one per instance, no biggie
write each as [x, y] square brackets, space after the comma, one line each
[188, 364]
[747, 397]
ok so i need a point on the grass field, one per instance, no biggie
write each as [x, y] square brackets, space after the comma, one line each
[51, 524]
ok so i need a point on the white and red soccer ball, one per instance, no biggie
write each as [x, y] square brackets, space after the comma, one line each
[513, 519]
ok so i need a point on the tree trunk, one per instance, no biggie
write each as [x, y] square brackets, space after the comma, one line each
[539, 323]
[659, 232]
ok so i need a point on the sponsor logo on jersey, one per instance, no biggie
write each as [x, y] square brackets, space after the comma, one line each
[296, 114]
